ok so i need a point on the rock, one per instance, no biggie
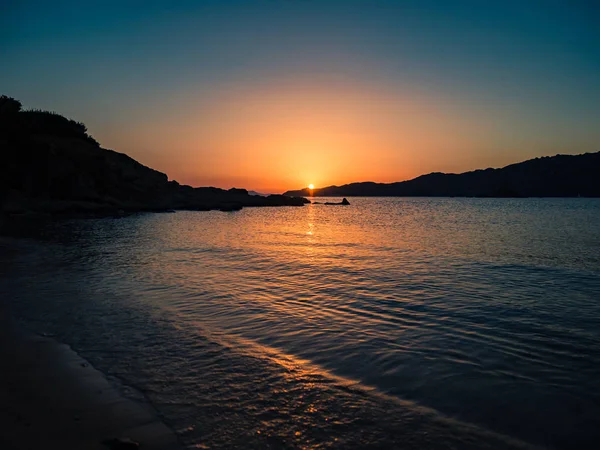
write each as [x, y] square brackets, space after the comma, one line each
[121, 444]
[228, 207]
[238, 191]
[343, 202]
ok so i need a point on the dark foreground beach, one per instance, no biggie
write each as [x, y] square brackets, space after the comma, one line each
[53, 398]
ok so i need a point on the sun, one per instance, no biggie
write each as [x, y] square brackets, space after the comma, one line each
[311, 186]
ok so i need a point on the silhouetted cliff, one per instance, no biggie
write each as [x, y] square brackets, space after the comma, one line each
[49, 163]
[552, 176]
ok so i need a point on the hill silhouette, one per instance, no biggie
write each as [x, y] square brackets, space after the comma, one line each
[49, 163]
[551, 176]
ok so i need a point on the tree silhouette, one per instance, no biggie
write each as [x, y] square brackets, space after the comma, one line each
[9, 105]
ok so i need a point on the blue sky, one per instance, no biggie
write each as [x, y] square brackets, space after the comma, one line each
[531, 66]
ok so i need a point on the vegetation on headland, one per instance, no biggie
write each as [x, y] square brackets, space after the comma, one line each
[38, 122]
[50, 164]
[553, 176]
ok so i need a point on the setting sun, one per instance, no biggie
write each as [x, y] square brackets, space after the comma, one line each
[311, 186]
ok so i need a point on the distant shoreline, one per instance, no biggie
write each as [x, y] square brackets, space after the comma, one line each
[551, 176]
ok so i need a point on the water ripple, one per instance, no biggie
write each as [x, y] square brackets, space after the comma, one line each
[413, 323]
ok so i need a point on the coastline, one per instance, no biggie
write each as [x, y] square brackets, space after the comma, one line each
[53, 398]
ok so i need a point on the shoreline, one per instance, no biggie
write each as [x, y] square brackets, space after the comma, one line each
[53, 398]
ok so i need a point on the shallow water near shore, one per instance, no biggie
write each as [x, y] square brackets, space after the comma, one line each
[390, 323]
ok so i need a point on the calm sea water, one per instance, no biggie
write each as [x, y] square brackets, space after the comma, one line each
[391, 323]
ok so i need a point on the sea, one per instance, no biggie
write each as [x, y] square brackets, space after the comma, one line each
[392, 323]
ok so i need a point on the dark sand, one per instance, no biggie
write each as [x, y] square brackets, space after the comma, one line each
[51, 398]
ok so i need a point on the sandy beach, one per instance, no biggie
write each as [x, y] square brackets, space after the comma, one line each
[50, 397]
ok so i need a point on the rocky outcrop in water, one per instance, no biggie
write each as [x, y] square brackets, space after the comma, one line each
[50, 164]
[344, 202]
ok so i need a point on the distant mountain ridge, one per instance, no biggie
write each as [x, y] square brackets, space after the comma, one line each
[549, 176]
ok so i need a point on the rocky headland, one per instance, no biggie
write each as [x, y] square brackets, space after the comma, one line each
[50, 164]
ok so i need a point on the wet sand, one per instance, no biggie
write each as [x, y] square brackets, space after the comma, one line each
[52, 398]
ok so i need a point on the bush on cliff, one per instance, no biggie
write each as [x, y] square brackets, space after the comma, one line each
[18, 122]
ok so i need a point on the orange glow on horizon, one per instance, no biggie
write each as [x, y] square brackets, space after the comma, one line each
[270, 137]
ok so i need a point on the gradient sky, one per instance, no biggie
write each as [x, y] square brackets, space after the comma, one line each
[274, 95]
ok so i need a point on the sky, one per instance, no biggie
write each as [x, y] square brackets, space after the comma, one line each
[274, 95]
